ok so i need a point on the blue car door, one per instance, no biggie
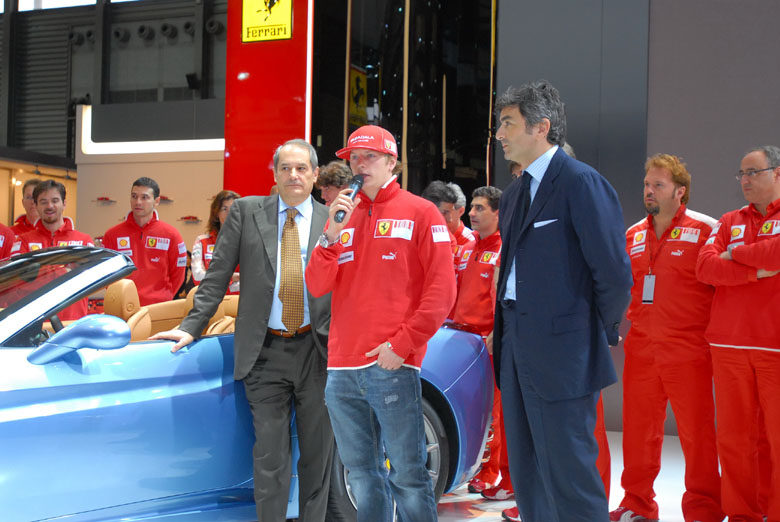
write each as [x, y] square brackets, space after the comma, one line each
[99, 429]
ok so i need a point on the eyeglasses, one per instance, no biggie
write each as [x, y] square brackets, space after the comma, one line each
[750, 173]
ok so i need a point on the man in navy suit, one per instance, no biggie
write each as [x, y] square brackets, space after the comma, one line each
[564, 283]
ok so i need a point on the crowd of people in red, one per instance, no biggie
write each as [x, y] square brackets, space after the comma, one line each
[702, 305]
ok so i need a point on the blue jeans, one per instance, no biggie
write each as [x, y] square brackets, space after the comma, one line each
[377, 414]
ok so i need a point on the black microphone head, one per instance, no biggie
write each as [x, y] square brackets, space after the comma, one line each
[357, 182]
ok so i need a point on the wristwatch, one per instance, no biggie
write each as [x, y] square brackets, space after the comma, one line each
[323, 241]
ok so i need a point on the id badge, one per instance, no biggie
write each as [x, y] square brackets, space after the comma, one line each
[648, 289]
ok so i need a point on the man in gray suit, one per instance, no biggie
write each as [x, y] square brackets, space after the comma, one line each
[280, 356]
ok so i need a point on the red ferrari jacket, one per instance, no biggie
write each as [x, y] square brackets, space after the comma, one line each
[159, 254]
[40, 237]
[202, 253]
[477, 293]
[391, 276]
[22, 225]
[7, 238]
[465, 238]
[744, 309]
[671, 328]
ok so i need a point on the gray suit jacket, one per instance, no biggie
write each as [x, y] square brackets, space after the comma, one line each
[249, 238]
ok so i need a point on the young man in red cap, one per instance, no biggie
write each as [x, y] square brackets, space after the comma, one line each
[156, 247]
[388, 265]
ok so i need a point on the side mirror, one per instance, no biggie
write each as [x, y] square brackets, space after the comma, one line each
[100, 332]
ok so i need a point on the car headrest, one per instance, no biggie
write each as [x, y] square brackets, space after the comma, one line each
[121, 299]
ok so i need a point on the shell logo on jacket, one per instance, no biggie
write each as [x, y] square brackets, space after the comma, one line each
[346, 236]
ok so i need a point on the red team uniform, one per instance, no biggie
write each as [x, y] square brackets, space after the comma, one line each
[202, 253]
[159, 254]
[744, 333]
[474, 307]
[667, 358]
[22, 225]
[7, 238]
[399, 241]
[464, 240]
[66, 235]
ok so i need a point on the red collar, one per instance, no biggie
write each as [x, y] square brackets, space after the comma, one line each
[131, 220]
[385, 193]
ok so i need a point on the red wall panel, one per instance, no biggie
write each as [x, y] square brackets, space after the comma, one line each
[268, 96]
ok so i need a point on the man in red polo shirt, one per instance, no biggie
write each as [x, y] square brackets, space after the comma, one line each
[26, 222]
[53, 229]
[464, 236]
[667, 358]
[156, 247]
[7, 238]
[474, 307]
[741, 259]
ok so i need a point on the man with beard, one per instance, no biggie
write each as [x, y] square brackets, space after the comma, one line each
[667, 356]
[53, 229]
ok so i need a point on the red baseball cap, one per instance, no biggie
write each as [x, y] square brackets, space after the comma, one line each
[370, 137]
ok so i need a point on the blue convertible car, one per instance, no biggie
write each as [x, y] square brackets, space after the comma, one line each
[97, 423]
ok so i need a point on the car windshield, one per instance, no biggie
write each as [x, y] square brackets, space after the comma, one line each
[39, 284]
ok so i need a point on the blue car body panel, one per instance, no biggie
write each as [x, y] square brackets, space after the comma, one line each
[140, 433]
[458, 366]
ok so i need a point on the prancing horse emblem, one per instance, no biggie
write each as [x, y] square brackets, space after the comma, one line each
[269, 4]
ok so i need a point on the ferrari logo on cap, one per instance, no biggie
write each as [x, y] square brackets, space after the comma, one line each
[390, 145]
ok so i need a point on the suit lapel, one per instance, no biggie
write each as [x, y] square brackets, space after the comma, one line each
[544, 191]
[267, 220]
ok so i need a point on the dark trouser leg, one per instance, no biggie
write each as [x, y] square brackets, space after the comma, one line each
[269, 391]
[315, 436]
[551, 444]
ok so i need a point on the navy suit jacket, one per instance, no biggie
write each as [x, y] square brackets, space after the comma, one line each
[573, 280]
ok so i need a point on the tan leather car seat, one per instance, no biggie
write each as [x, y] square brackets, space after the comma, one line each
[121, 300]
[218, 323]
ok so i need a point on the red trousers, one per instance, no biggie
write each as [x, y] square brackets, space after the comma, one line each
[604, 460]
[498, 459]
[646, 390]
[747, 385]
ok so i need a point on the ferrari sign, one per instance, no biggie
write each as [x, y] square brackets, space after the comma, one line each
[265, 20]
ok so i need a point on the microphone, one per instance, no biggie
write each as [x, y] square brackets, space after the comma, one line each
[356, 184]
